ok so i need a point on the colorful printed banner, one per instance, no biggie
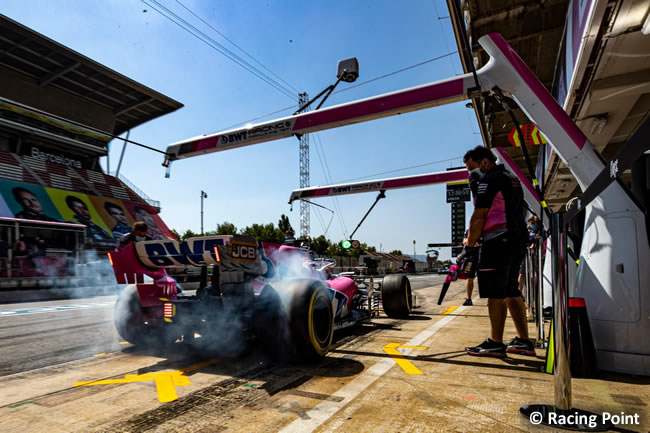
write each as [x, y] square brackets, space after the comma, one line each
[106, 219]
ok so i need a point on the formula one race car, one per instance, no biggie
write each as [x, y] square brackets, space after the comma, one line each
[274, 293]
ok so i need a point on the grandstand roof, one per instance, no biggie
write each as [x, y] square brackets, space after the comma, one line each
[51, 65]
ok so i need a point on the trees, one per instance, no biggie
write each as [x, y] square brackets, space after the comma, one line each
[270, 233]
[320, 245]
[396, 253]
[284, 225]
[265, 233]
[226, 229]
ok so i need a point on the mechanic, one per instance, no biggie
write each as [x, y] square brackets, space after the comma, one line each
[533, 229]
[138, 233]
[498, 219]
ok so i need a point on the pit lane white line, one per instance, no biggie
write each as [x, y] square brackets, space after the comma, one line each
[326, 409]
[53, 309]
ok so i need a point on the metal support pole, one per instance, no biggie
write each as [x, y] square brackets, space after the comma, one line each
[561, 367]
[533, 283]
[529, 291]
[562, 414]
[119, 164]
[203, 195]
[540, 292]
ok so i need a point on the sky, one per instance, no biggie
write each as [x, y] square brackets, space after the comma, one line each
[301, 42]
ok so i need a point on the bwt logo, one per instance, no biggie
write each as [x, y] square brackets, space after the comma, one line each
[234, 137]
[193, 252]
[341, 189]
[243, 252]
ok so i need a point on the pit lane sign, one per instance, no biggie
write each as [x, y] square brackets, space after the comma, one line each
[457, 226]
[458, 193]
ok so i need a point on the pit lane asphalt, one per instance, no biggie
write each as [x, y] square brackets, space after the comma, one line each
[47, 333]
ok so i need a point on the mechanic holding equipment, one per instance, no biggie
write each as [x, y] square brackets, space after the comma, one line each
[498, 219]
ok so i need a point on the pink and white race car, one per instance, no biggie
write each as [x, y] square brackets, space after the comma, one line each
[274, 293]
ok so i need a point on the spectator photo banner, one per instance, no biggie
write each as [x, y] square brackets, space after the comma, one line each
[114, 213]
[76, 208]
[106, 219]
[29, 201]
[145, 213]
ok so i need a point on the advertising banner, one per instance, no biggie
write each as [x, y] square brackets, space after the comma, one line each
[28, 201]
[4, 208]
[106, 219]
[146, 214]
[76, 208]
[114, 213]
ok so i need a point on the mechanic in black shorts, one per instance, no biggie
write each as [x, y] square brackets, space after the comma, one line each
[498, 220]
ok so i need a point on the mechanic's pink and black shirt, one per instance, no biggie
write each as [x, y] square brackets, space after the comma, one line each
[500, 192]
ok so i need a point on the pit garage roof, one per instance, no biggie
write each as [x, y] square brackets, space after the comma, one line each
[51, 64]
[610, 96]
[534, 30]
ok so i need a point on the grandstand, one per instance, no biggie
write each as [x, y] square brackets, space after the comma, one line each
[58, 112]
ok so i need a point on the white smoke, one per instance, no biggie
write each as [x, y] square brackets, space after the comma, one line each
[95, 276]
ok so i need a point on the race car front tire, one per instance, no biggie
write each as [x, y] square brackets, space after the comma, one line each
[131, 324]
[396, 296]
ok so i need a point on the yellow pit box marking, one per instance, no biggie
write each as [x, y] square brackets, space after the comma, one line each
[396, 355]
[166, 381]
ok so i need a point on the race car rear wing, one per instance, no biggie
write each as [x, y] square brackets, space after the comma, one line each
[380, 184]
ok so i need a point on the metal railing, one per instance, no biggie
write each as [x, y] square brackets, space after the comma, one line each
[138, 191]
[533, 285]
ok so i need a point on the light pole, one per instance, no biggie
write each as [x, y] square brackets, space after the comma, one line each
[203, 195]
[414, 249]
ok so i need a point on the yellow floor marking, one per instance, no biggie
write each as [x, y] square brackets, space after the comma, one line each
[99, 355]
[166, 381]
[449, 310]
[396, 355]
[124, 342]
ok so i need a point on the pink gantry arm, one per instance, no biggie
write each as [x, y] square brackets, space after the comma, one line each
[505, 72]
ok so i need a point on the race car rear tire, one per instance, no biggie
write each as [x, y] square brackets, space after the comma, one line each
[311, 318]
[396, 296]
[271, 324]
[131, 324]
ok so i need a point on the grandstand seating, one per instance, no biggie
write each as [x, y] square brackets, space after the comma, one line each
[17, 168]
[11, 169]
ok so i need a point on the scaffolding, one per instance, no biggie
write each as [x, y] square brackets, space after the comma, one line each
[305, 229]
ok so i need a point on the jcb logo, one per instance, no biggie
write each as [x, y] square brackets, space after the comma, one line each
[243, 252]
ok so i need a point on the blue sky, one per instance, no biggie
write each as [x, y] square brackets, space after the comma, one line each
[300, 41]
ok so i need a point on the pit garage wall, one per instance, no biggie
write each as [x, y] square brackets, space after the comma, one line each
[105, 229]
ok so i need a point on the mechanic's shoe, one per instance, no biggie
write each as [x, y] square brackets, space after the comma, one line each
[487, 348]
[467, 302]
[521, 347]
